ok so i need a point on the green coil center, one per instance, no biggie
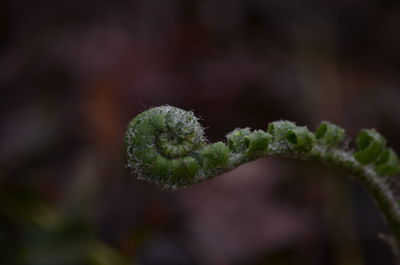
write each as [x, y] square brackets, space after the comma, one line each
[173, 145]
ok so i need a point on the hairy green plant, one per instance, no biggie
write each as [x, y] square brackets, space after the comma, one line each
[166, 145]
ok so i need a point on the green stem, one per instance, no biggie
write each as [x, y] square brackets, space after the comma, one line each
[375, 184]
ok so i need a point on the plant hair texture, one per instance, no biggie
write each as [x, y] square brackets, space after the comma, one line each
[166, 146]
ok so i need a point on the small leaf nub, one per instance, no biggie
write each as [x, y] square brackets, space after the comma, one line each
[388, 163]
[216, 155]
[257, 142]
[329, 134]
[279, 128]
[160, 167]
[157, 121]
[301, 139]
[184, 169]
[235, 139]
[371, 145]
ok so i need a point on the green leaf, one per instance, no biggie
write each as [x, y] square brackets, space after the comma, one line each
[161, 166]
[184, 168]
[257, 142]
[301, 139]
[371, 145]
[329, 134]
[235, 139]
[216, 155]
[388, 163]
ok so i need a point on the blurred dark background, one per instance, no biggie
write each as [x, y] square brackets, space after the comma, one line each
[73, 74]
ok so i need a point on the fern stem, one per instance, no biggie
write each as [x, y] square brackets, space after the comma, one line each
[166, 145]
[376, 185]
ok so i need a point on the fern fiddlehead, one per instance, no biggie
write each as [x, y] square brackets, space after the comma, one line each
[166, 145]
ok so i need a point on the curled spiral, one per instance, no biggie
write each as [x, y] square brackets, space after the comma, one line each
[166, 145]
[162, 143]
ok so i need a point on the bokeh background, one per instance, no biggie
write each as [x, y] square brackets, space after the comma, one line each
[73, 74]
